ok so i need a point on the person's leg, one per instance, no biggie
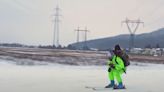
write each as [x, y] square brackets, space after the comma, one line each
[118, 74]
[111, 78]
[111, 75]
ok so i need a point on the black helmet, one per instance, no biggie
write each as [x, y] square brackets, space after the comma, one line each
[117, 47]
[117, 50]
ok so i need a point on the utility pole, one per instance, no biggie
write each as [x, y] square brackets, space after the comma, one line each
[77, 41]
[85, 39]
[56, 27]
[132, 31]
[85, 36]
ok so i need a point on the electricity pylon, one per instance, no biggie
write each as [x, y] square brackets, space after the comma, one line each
[85, 36]
[132, 31]
[56, 27]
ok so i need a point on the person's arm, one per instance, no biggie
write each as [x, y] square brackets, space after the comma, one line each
[109, 62]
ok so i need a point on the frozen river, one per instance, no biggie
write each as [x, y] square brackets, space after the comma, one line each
[62, 78]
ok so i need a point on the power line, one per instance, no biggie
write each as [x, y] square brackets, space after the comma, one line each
[149, 13]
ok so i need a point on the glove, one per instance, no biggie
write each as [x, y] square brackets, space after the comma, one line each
[109, 58]
[111, 65]
[109, 69]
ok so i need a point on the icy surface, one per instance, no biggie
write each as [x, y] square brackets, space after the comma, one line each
[140, 77]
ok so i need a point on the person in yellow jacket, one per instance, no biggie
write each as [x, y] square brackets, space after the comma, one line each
[116, 69]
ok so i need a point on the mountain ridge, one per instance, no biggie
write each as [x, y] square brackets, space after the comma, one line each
[143, 40]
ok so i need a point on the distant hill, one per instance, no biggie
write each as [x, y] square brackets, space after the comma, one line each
[141, 41]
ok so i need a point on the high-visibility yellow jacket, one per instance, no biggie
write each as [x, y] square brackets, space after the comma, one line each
[117, 62]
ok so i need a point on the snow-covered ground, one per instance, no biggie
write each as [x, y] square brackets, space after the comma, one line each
[140, 77]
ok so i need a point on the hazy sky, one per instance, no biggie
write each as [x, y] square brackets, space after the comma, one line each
[31, 21]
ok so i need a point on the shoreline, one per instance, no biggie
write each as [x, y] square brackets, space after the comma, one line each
[69, 57]
[147, 59]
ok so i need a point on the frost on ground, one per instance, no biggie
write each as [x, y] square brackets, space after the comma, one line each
[140, 77]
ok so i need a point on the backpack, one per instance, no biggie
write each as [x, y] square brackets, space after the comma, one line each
[125, 59]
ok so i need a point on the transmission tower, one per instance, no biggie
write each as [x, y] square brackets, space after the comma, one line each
[85, 39]
[85, 36]
[56, 27]
[77, 41]
[132, 31]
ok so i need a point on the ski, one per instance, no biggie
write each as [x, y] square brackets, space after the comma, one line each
[103, 88]
[96, 88]
[118, 88]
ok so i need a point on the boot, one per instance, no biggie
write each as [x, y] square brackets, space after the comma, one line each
[119, 86]
[110, 85]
